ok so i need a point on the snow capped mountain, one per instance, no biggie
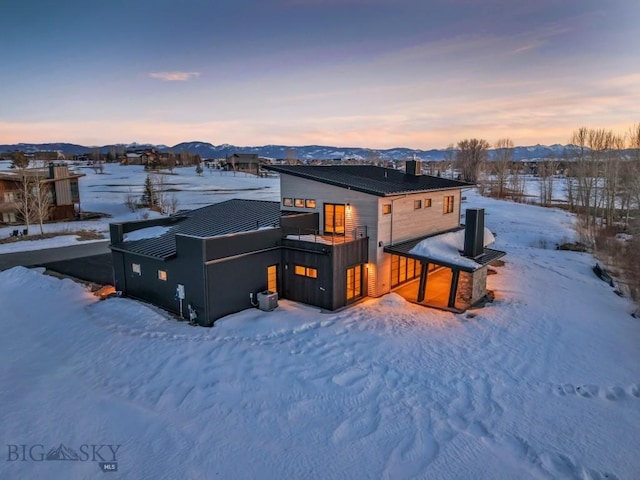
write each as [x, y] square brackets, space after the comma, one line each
[304, 152]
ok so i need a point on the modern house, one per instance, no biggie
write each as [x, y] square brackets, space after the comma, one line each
[339, 233]
[61, 185]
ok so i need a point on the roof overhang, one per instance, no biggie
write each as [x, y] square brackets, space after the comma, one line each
[403, 249]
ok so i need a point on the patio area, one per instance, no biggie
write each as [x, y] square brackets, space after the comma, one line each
[437, 292]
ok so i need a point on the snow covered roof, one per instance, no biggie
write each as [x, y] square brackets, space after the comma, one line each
[445, 249]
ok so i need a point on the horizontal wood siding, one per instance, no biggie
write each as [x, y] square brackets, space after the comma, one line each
[405, 222]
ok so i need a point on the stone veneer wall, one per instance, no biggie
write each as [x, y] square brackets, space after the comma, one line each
[471, 287]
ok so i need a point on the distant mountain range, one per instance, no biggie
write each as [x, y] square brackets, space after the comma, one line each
[308, 152]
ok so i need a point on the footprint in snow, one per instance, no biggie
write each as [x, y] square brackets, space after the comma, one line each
[348, 378]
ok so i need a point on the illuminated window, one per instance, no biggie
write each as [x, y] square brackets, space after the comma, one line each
[417, 204]
[135, 268]
[162, 275]
[299, 202]
[448, 204]
[427, 202]
[306, 271]
[386, 209]
[334, 218]
[287, 202]
[310, 203]
[354, 282]
[272, 278]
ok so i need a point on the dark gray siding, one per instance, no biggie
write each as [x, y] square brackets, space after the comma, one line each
[329, 289]
[239, 243]
[187, 269]
[231, 280]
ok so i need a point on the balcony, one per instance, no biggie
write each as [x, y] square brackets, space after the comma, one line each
[314, 236]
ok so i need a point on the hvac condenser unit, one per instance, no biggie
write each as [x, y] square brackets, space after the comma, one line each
[267, 300]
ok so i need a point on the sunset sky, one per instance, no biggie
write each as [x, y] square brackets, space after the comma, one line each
[368, 73]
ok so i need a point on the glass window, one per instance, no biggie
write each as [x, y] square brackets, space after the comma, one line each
[448, 204]
[310, 203]
[135, 268]
[287, 202]
[386, 209]
[306, 271]
[427, 202]
[162, 275]
[417, 204]
[298, 202]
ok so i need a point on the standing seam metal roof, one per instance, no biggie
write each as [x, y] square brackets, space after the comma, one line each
[232, 216]
[370, 179]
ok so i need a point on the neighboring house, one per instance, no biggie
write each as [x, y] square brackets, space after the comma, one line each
[339, 234]
[245, 162]
[56, 178]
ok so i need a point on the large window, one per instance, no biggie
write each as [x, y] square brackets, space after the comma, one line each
[354, 282]
[403, 269]
[334, 218]
[448, 204]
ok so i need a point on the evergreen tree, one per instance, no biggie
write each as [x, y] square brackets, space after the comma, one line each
[149, 198]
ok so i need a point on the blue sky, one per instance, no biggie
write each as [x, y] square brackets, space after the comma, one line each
[372, 73]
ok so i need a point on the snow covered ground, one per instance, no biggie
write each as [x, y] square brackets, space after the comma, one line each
[542, 383]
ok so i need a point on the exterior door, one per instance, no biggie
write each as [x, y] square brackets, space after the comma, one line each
[334, 218]
[272, 278]
[354, 283]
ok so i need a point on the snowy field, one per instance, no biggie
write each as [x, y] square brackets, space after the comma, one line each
[106, 193]
[542, 383]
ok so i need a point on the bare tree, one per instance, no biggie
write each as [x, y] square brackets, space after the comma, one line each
[131, 201]
[449, 159]
[41, 201]
[24, 198]
[501, 166]
[470, 158]
[546, 172]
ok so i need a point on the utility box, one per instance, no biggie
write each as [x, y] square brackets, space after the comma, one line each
[267, 300]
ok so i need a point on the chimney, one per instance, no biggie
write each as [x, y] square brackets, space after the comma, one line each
[413, 167]
[474, 232]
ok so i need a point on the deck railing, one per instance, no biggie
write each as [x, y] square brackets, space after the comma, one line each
[314, 236]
